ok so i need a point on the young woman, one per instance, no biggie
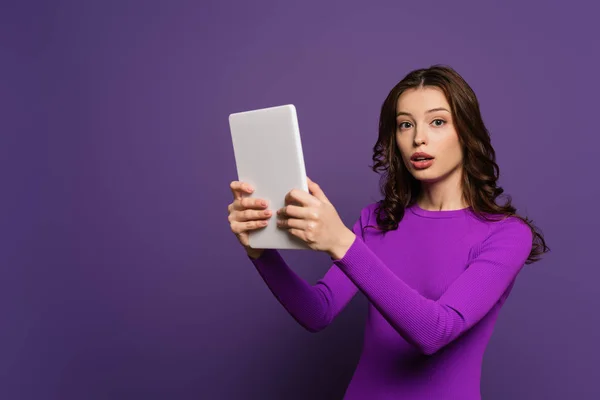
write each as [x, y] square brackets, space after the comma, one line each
[437, 257]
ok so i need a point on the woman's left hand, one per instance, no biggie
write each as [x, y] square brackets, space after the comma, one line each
[312, 218]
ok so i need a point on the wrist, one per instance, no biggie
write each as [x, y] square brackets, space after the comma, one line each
[341, 247]
[254, 253]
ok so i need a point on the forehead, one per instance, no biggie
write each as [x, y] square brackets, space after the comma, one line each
[421, 99]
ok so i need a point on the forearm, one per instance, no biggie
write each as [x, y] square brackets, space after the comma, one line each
[309, 305]
[427, 324]
[431, 324]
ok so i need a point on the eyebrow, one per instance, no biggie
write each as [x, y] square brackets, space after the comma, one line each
[426, 112]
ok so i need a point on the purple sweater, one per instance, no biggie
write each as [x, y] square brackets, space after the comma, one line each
[435, 287]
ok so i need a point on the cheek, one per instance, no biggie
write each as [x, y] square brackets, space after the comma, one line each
[452, 149]
[403, 144]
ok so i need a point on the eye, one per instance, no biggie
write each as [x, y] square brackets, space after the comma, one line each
[438, 122]
[404, 125]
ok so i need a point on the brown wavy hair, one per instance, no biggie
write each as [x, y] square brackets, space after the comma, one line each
[480, 170]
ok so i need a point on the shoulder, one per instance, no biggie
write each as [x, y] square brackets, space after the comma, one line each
[365, 218]
[511, 226]
[509, 235]
[367, 213]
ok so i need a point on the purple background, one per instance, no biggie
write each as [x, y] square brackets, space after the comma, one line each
[119, 276]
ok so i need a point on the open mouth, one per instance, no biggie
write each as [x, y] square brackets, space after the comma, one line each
[420, 156]
[421, 160]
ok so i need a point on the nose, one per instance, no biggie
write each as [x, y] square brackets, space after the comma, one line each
[420, 136]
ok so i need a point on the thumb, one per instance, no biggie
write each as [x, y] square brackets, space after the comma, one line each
[316, 191]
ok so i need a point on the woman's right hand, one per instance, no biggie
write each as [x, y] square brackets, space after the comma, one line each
[247, 214]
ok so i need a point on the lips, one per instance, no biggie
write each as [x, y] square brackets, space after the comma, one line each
[421, 157]
[421, 160]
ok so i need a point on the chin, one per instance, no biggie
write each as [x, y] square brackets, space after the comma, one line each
[426, 175]
[431, 175]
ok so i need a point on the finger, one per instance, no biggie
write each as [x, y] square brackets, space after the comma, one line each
[250, 203]
[297, 212]
[316, 191]
[241, 227]
[299, 233]
[244, 240]
[301, 197]
[294, 223]
[251, 215]
[239, 188]
[236, 187]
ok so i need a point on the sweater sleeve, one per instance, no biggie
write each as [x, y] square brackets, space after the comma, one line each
[312, 306]
[431, 324]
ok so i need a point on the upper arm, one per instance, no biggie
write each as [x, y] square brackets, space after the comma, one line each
[491, 271]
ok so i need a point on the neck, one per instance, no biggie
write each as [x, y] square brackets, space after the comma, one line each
[443, 195]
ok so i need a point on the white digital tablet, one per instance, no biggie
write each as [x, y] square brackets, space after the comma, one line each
[268, 156]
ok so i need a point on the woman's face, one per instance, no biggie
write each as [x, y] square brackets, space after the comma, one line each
[426, 135]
